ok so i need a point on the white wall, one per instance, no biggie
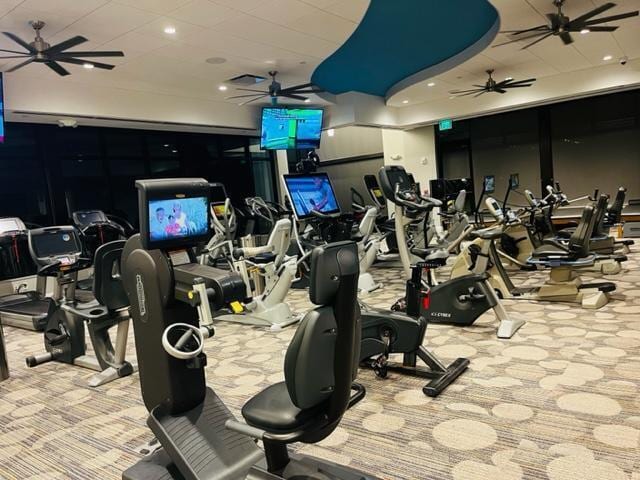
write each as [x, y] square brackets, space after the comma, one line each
[417, 150]
[350, 142]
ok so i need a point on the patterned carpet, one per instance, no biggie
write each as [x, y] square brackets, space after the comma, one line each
[560, 400]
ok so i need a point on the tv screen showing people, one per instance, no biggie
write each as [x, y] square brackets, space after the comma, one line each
[178, 218]
[309, 192]
[287, 128]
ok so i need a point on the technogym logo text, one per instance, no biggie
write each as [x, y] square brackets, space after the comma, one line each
[142, 303]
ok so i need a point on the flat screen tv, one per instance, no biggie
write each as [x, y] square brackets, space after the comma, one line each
[291, 128]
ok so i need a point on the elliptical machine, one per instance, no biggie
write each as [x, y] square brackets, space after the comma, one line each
[64, 333]
[459, 301]
[266, 307]
[172, 300]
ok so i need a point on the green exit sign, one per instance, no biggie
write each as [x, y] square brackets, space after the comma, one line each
[445, 125]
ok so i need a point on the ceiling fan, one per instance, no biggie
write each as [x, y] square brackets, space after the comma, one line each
[275, 91]
[493, 86]
[560, 25]
[41, 52]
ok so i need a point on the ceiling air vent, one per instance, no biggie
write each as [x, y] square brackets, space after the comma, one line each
[245, 80]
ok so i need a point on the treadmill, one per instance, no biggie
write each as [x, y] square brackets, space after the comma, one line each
[23, 309]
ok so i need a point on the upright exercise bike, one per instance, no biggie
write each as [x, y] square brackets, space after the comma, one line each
[64, 333]
[458, 301]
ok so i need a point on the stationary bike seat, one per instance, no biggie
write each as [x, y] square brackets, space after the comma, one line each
[263, 258]
[436, 259]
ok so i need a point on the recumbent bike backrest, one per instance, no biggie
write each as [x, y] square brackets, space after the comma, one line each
[322, 359]
[579, 241]
[107, 283]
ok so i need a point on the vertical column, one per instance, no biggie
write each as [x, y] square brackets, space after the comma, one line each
[282, 167]
[4, 365]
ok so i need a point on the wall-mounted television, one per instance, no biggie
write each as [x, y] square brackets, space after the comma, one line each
[1, 108]
[284, 128]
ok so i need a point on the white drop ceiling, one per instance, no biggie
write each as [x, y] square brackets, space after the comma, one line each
[166, 77]
[254, 36]
[545, 60]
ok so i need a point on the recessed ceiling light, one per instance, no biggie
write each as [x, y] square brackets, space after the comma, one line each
[584, 31]
[216, 60]
[508, 79]
[452, 97]
[174, 151]
[222, 88]
[606, 58]
[269, 62]
[170, 30]
[405, 101]
[307, 100]
[331, 132]
[166, 145]
[88, 66]
[431, 84]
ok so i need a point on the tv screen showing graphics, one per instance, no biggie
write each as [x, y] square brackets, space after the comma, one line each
[311, 191]
[285, 128]
[173, 213]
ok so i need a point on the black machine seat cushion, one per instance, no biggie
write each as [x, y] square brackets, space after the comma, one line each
[272, 410]
[422, 252]
[263, 258]
[547, 250]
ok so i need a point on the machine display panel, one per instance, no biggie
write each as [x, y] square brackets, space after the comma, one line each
[177, 218]
[309, 192]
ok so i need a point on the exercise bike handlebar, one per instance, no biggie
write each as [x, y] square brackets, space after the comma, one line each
[402, 197]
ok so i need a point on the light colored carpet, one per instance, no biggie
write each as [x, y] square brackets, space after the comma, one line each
[560, 400]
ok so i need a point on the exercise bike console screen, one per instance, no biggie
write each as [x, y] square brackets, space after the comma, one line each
[177, 218]
[173, 212]
[312, 191]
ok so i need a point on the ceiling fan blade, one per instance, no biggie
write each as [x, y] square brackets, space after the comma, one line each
[13, 51]
[473, 90]
[20, 65]
[77, 61]
[20, 42]
[59, 69]
[251, 90]
[253, 100]
[518, 86]
[516, 82]
[596, 28]
[110, 53]
[305, 91]
[499, 90]
[15, 56]
[290, 95]
[566, 38]
[519, 39]
[296, 87]
[621, 16]
[596, 11]
[245, 96]
[519, 32]
[70, 43]
[481, 93]
[537, 41]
